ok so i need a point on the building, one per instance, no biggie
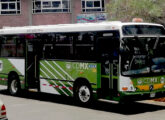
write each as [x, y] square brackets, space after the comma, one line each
[43, 12]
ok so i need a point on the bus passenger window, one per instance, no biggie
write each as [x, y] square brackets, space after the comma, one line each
[8, 46]
[48, 51]
[8, 50]
[108, 46]
[64, 46]
[12, 46]
[20, 50]
[84, 48]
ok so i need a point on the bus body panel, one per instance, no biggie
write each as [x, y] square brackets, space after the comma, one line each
[8, 65]
[60, 75]
[143, 84]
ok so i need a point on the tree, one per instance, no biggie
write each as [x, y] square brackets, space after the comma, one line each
[126, 10]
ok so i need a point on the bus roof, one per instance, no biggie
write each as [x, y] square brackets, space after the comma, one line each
[79, 27]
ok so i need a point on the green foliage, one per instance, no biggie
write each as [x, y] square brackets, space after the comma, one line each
[126, 10]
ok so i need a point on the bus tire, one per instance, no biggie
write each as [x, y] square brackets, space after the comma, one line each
[14, 87]
[83, 93]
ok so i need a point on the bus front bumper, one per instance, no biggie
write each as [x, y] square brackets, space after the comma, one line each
[131, 96]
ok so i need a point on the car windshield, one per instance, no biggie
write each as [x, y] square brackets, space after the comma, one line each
[142, 55]
[142, 30]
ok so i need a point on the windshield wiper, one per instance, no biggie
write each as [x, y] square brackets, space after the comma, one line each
[156, 42]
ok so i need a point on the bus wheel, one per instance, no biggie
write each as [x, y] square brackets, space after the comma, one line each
[83, 93]
[14, 86]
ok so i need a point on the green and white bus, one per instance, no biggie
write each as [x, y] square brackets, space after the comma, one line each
[110, 60]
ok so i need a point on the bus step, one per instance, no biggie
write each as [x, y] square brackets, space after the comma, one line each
[33, 90]
[108, 101]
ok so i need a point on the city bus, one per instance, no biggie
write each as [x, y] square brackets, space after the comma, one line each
[112, 61]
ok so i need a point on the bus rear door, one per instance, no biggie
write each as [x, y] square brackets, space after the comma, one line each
[32, 63]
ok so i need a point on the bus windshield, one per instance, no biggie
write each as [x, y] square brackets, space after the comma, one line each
[143, 30]
[142, 55]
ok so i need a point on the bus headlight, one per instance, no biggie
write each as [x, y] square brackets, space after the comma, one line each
[139, 82]
[162, 80]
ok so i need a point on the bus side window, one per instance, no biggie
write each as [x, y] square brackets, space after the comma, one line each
[12, 46]
[84, 48]
[46, 45]
[107, 46]
[64, 46]
[8, 46]
[20, 50]
[48, 51]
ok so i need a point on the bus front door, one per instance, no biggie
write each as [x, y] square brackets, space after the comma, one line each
[108, 55]
[109, 78]
[32, 65]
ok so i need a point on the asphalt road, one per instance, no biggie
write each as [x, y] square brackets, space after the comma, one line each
[39, 106]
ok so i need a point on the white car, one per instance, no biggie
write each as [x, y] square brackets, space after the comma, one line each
[2, 111]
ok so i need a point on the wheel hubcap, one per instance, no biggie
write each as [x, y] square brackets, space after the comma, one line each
[84, 94]
[14, 86]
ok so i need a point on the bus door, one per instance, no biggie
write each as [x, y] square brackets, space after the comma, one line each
[109, 58]
[32, 64]
[109, 76]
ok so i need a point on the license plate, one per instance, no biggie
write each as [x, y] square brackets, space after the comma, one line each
[152, 95]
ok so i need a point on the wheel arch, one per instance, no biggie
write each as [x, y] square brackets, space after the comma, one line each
[79, 81]
[11, 75]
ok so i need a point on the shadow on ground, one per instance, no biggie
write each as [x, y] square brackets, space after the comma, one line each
[129, 109]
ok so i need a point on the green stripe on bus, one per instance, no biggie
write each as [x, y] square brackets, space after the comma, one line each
[105, 76]
[51, 70]
[64, 88]
[115, 77]
[49, 74]
[56, 88]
